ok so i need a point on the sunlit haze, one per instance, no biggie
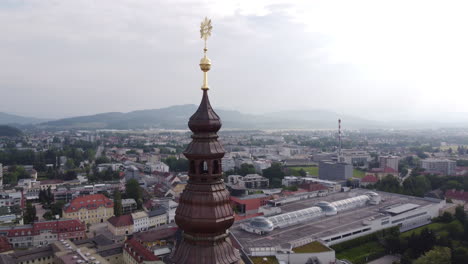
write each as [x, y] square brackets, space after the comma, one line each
[372, 59]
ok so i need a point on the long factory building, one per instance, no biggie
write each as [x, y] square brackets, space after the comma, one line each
[333, 219]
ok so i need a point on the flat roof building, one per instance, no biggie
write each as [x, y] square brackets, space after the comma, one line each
[356, 215]
[330, 170]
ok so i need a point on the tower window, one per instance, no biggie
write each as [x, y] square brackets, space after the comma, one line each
[204, 167]
[192, 166]
[216, 167]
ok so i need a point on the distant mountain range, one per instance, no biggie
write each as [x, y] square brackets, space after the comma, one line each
[8, 131]
[6, 119]
[176, 117]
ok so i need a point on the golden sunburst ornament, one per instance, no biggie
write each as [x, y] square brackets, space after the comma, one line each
[205, 28]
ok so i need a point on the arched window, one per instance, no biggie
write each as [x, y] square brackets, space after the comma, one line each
[216, 167]
[203, 167]
[192, 166]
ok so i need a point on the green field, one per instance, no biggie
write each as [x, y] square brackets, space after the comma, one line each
[436, 227]
[361, 253]
[260, 260]
[313, 247]
[313, 171]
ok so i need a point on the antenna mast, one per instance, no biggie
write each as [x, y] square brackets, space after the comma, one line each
[339, 138]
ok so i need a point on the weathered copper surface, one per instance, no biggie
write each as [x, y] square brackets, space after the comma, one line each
[204, 212]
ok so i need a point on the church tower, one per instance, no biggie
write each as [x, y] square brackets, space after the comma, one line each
[204, 213]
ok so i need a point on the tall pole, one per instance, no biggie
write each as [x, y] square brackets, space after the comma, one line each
[339, 138]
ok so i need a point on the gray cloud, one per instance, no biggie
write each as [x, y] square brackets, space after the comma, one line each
[65, 58]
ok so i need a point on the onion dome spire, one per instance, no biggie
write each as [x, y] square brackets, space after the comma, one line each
[204, 213]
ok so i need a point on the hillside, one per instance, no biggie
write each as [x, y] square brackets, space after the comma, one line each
[6, 119]
[9, 131]
[176, 117]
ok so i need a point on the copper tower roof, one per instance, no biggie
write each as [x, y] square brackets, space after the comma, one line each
[204, 213]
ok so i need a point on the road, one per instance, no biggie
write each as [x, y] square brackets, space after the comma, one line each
[99, 151]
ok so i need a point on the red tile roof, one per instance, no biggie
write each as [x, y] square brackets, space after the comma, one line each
[311, 187]
[4, 244]
[369, 178]
[54, 226]
[90, 202]
[457, 195]
[138, 251]
[389, 170]
[157, 234]
[44, 182]
[123, 220]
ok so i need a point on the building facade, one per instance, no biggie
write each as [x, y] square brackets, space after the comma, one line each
[43, 232]
[140, 221]
[91, 209]
[157, 217]
[336, 171]
[389, 162]
[249, 181]
[128, 206]
[135, 253]
[441, 166]
[120, 226]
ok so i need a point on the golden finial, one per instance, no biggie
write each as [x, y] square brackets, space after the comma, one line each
[205, 63]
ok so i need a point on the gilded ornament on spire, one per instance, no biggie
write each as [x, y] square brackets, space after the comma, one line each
[205, 62]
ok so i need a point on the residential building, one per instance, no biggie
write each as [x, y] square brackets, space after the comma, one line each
[120, 226]
[157, 217]
[140, 221]
[458, 197]
[357, 158]
[158, 166]
[128, 206]
[160, 240]
[441, 166]
[94, 208]
[369, 179]
[250, 181]
[43, 232]
[135, 253]
[228, 163]
[52, 184]
[8, 198]
[389, 162]
[249, 204]
[330, 170]
[260, 165]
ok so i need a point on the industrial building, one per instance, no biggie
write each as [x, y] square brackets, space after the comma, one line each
[335, 171]
[333, 219]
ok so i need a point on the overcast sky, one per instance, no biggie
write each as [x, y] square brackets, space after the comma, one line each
[374, 59]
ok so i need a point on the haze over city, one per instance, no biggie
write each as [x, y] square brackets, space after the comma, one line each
[372, 59]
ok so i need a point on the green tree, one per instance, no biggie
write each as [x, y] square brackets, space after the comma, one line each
[177, 165]
[436, 256]
[30, 213]
[389, 184]
[101, 160]
[56, 208]
[275, 174]
[460, 255]
[133, 190]
[455, 230]
[117, 203]
[460, 214]
[48, 215]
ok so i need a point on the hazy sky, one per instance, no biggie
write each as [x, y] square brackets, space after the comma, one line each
[396, 59]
